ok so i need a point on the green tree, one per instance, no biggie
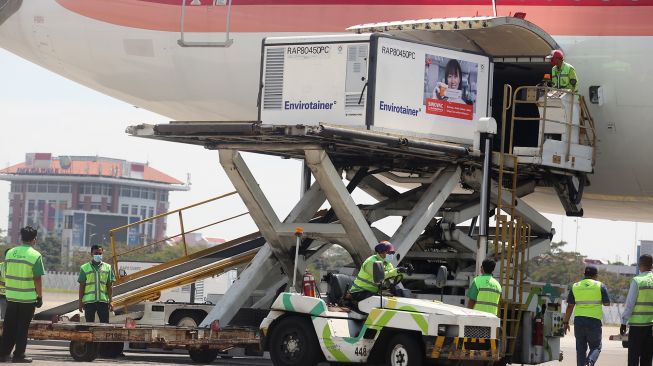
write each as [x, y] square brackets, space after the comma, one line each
[50, 248]
[557, 266]
[560, 267]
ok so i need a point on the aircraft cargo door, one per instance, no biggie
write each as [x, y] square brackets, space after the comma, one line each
[205, 23]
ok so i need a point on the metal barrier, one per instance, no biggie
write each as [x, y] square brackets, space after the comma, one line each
[186, 257]
[541, 97]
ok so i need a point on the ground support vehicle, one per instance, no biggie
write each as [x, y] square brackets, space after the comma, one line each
[303, 330]
[370, 108]
[88, 341]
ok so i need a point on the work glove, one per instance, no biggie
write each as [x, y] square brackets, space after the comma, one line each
[39, 302]
[622, 329]
[408, 269]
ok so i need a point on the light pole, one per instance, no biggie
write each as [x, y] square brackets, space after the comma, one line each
[90, 236]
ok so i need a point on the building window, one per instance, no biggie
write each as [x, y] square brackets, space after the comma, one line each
[42, 187]
[16, 187]
[95, 206]
[151, 212]
[143, 212]
[64, 187]
[31, 187]
[124, 209]
[125, 191]
[164, 196]
[53, 187]
[135, 210]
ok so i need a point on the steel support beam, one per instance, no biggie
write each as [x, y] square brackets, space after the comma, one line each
[374, 187]
[361, 237]
[425, 209]
[265, 265]
[258, 205]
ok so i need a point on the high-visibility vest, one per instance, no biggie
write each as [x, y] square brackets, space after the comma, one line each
[643, 310]
[587, 294]
[97, 277]
[562, 77]
[2, 279]
[489, 293]
[365, 279]
[19, 274]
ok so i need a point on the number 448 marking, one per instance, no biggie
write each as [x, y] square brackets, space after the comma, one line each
[360, 351]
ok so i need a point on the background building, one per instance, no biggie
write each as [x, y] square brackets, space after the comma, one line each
[80, 198]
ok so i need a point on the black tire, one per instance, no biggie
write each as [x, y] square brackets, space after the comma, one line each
[83, 351]
[293, 343]
[110, 349]
[186, 318]
[404, 350]
[203, 355]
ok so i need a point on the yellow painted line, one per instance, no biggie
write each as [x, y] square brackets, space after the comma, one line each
[439, 341]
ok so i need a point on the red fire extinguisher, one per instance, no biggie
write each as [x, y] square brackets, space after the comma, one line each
[309, 285]
[538, 330]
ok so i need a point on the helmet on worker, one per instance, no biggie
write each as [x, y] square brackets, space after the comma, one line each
[556, 56]
[384, 247]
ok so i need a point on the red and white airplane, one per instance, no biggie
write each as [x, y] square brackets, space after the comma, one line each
[128, 49]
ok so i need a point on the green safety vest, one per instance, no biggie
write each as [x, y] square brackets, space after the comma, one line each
[3, 290]
[562, 78]
[365, 279]
[489, 293]
[587, 294]
[94, 275]
[19, 274]
[643, 310]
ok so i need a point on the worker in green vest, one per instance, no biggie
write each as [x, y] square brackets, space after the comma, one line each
[95, 287]
[24, 292]
[563, 75]
[364, 286]
[485, 292]
[3, 297]
[584, 300]
[638, 315]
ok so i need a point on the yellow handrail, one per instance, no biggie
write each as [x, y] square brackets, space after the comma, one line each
[543, 102]
[179, 211]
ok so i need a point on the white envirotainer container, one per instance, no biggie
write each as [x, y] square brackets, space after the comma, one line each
[376, 82]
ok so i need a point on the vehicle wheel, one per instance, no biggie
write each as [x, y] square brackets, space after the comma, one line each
[203, 355]
[186, 319]
[225, 355]
[83, 351]
[293, 343]
[404, 350]
[110, 349]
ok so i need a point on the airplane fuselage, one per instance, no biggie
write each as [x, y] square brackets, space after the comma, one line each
[128, 49]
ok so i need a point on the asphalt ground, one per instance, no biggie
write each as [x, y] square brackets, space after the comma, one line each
[56, 353]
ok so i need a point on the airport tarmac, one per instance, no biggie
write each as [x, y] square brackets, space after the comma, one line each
[56, 353]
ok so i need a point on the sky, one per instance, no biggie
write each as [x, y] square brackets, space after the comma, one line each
[43, 112]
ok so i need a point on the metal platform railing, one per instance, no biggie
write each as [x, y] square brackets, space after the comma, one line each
[187, 256]
[547, 100]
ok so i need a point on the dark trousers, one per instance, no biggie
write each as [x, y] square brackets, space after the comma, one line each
[361, 295]
[640, 346]
[587, 333]
[101, 308]
[14, 329]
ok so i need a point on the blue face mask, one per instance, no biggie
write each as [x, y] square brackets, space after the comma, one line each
[389, 257]
[97, 258]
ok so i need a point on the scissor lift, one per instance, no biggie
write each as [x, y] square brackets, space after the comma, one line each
[440, 200]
